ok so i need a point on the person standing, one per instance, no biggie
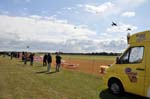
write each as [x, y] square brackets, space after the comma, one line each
[45, 60]
[49, 61]
[31, 58]
[11, 55]
[58, 62]
[25, 57]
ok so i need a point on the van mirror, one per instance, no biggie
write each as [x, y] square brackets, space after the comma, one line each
[117, 60]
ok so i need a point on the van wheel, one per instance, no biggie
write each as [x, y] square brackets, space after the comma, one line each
[115, 87]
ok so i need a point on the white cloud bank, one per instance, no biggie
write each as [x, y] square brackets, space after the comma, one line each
[114, 7]
[104, 8]
[39, 28]
[50, 34]
[128, 14]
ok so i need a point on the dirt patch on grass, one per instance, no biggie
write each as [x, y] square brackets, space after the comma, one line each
[87, 66]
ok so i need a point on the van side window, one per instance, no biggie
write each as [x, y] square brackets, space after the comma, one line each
[136, 55]
[132, 55]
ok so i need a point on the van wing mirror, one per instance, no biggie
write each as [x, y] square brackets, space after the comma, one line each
[117, 60]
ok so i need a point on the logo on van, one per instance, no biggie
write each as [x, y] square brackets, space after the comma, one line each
[140, 37]
[131, 75]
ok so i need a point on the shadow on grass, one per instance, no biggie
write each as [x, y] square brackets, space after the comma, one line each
[51, 72]
[106, 95]
[41, 72]
[46, 72]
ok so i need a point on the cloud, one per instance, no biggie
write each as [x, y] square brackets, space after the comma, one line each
[113, 45]
[71, 45]
[69, 8]
[121, 28]
[113, 8]
[36, 17]
[96, 46]
[79, 5]
[128, 14]
[130, 3]
[41, 29]
[4, 12]
[100, 9]
[50, 34]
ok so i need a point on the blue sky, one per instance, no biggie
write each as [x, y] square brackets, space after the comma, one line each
[70, 25]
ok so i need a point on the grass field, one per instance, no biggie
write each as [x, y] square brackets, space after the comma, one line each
[85, 57]
[18, 81]
[90, 57]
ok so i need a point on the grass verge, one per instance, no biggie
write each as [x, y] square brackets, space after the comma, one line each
[18, 81]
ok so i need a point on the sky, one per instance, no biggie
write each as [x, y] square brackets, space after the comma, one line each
[70, 25]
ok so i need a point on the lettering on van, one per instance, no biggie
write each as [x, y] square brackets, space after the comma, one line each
[140, 37]
[131, 75]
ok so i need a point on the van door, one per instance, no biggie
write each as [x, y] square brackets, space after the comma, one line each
[131, 69]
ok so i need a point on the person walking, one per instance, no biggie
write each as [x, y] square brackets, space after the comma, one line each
[49, 61]
[58, 62]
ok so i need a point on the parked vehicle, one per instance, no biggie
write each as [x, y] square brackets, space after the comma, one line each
[131, 71]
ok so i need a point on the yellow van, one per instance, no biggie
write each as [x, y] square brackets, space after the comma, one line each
[131, 71]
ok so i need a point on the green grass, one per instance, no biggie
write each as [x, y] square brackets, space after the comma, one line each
[18, 81]
[84, 57]
[90, 57]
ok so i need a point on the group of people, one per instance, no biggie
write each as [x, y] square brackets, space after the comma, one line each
[27, 57]
[47, 60]
[13, 54]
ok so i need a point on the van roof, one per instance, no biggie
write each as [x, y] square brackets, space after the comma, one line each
[140, 37]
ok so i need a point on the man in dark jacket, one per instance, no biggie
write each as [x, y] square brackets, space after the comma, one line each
[58, 62]
[25, 58]
[49, 61]
[45, 60]
[31, 58]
